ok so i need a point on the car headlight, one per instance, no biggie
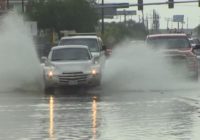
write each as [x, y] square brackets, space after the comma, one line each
[50, 73]
[93, 71]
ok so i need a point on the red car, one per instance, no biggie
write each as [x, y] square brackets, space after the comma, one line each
[178, 49]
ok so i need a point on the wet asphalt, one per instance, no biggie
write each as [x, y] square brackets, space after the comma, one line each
[97, 114]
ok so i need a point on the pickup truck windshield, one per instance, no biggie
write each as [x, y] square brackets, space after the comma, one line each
[168, 42]
[91, 43]
[68, 54]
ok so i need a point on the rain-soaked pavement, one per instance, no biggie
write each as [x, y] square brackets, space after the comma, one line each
[100, 115]
[95, 114]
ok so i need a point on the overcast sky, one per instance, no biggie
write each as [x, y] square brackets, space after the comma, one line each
[191, 11]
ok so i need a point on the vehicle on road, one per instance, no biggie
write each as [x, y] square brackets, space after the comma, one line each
[178, 49]
[93, 41]
[194, 40]
[70, 65]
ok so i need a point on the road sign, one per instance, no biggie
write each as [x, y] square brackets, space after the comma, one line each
[126, 12]
[108, 12]
[178, 18]
[113, 5]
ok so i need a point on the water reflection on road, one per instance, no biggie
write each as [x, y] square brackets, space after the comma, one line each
[100, 115]
[51, 118]
[94, 117]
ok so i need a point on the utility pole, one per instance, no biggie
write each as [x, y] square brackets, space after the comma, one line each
[182, 23]
[120, 18]
[178, 26]
[22, 6]
[167, 24]
[139, 19]
[172, 25]
[147, 22]
[142, 17]
[154, 21]
[167, 20]
[102, 18]
[7, 4]
[125, 16]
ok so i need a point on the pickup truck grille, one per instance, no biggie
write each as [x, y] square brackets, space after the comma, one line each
[73, 76]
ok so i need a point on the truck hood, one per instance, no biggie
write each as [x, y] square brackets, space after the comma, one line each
[72, 66]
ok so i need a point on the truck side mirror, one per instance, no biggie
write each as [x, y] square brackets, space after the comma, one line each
[104, 47]
[196, 49]
[95, 59]
[193, 45]
[43, 59]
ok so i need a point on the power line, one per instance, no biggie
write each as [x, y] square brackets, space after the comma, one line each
[155, 3]
[163, 3]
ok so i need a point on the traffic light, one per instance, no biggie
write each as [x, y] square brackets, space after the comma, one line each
[140, 5]
[171, 3]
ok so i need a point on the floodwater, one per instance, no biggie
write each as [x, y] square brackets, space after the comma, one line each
[98, 115]
[140, 99]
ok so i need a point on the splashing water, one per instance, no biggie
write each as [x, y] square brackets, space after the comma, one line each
[20, 67]
[136, 67]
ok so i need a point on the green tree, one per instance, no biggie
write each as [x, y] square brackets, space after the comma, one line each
[63, 15]
[117, 32]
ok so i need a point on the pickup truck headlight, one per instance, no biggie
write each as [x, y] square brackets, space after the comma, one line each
[93, 71]
[50, 73]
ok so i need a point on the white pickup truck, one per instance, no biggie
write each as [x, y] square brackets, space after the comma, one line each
[70, 65]
[93, 41]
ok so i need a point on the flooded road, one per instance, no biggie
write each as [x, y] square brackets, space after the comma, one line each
[141, 97]
[100, 115]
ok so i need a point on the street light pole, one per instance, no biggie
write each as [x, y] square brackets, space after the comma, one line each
[102, 18]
